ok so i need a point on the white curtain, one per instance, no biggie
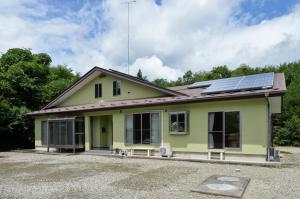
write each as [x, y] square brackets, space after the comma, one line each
[211, 119]
[155, 128]
[129, 129]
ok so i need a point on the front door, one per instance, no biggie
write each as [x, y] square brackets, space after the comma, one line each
[96, 132]
[102, 132]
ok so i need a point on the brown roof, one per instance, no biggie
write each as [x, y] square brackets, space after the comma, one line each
[190, 96]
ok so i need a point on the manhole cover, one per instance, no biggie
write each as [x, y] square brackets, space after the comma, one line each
[233, 186]
[228, 179]
[221, 187]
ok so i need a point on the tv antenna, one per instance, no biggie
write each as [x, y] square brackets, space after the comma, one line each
[129, 2]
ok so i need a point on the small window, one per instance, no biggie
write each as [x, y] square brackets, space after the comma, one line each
[98, 90]
[44, 130]
[178, 122]
[116, 87]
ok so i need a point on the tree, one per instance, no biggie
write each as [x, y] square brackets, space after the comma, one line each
[289, 134]
[188, 77]
[162, 82]
[220, 72]
[27, 82]
[140, 75]
[243, 70]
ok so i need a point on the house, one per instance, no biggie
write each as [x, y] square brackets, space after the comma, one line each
[107, 109]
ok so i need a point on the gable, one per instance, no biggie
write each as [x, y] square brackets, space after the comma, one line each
[129, 90]
[135, 88]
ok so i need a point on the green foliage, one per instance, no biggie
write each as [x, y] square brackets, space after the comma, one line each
[27, 82]
[140, 75]
[161, 82]
[289, 134]
[219, 73]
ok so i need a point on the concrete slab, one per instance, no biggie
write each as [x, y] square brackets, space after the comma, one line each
[223, 185]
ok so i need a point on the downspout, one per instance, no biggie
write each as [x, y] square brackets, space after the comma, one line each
[162, 127]
[269, 135]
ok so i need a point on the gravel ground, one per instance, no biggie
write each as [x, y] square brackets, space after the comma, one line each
[30, 175]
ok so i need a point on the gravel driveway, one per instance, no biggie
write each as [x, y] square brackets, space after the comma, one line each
[30, 175]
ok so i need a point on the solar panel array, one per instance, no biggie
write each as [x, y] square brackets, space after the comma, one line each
[250, 82]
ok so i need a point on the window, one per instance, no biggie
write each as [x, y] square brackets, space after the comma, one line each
[142, 128]
[178, 122]
[98, 90]
[116, 87]
[44, 132]
[224, 130]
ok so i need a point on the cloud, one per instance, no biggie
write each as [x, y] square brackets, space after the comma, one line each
[154, 68]
[166, 39]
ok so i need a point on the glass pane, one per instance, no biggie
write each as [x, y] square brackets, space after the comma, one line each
[51, 129]
[215, 121]
[69, 132]
[146, 128]
[96, 91]
[44, 132]
[232, 129]
[215, 140]
[173, 123]
[63, 133]
[129, 129]
[100, 90]
[56, 132]
[181, 117]
[155, 128]
[114, 88]
[79, 125]
[137, 138]
[181, 127]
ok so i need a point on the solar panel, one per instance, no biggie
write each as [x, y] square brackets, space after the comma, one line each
[201, 84]
[249, 82]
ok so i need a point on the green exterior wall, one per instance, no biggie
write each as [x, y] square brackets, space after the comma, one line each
[38, 130]
[254, 125]
[129, 90]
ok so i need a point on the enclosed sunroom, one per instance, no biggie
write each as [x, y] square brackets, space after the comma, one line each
[63, 133]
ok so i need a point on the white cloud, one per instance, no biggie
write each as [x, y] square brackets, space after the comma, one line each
[154, 68]
[166, 40]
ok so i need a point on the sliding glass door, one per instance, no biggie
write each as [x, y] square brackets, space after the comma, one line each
[224, 130]
[142, 128]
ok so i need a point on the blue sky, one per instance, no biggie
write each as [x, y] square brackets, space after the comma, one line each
[168, 37]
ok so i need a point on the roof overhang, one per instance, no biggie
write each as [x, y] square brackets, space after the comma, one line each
[157, 102]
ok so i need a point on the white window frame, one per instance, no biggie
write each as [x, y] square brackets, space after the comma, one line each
[118, 83]
[99, 93]
[186, 122]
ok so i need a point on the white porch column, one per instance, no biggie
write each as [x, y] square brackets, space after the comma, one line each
[87, 132]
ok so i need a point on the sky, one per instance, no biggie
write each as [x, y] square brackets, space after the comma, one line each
[168, 37]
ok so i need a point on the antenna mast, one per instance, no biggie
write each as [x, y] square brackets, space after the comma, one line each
[128, 35]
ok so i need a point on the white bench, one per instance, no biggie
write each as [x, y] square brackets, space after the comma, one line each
[149, 150]
[220, 151]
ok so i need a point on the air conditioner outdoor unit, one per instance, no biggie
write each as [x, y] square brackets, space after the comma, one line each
[165, 151]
